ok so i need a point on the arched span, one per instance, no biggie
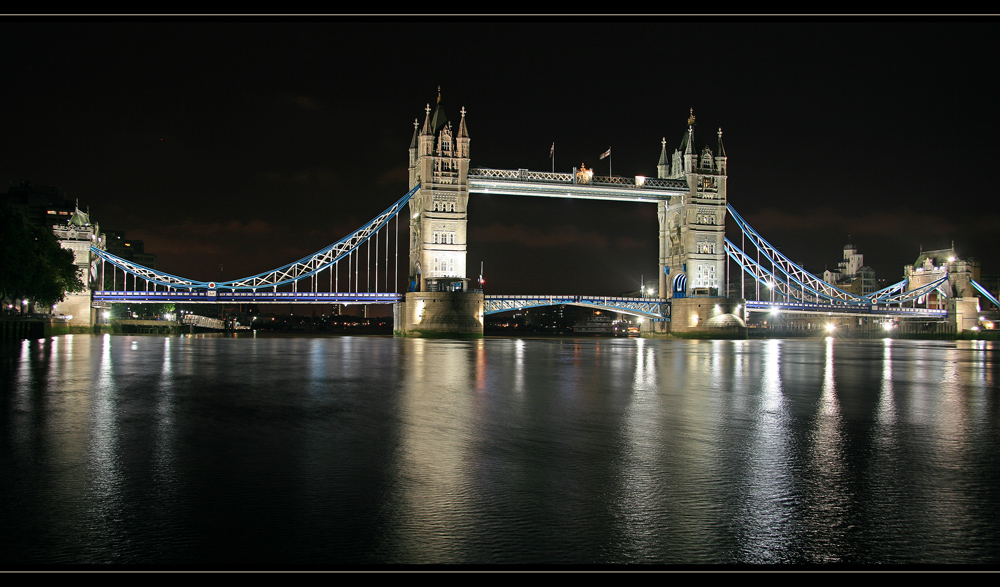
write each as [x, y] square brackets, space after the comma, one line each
[303, 268]
[643, 307]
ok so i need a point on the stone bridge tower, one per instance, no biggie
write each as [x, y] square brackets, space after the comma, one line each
[439, 162]
[693, 231]
[439, 301]
[693, 226]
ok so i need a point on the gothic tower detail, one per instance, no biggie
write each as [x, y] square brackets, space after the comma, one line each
[693, 225]
[439, 162]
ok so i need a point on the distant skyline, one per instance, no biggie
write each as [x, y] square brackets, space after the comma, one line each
[252, 142]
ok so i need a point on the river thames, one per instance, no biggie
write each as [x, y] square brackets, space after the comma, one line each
[341, 452]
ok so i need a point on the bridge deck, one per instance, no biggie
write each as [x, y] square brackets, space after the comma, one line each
[247, 297]
[842, 309]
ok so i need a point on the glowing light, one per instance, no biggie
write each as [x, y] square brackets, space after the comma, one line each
[830, 327]
[887, 325]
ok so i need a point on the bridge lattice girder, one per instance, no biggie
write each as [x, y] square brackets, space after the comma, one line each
[789, 275]
[914, 294]
[300, 269]
[791, 272]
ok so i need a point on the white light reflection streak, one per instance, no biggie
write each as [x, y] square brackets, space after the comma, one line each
[519, 346]
[24, 371]
[104, 454]
[644, 378]
[887, 398]
[434, 455]
[768, 514]
[825, 478]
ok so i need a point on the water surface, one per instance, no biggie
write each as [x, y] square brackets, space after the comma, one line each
[243, 452]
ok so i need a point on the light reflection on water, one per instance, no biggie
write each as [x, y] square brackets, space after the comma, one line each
[352, 450]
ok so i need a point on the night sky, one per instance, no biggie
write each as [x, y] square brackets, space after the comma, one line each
[250, 143]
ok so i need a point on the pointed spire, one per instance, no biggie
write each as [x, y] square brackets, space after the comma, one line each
[426, 130]
[413, 141]
[463, 132]
[721, 151]
[663, 152]
[687, 141]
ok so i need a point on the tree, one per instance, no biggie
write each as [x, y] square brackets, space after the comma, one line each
[32, 264]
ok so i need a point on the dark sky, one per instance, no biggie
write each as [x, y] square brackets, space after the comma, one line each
[250, 143]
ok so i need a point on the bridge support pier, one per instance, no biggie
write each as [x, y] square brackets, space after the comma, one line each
[703, 315]
[963, 313]
[439, 314]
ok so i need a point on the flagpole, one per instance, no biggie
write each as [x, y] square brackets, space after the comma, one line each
[552, 155]
[608, 155]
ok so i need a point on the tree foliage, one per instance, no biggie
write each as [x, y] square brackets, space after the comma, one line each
[32, 264]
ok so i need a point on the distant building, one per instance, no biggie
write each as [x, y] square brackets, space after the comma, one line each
[41, 205]
[851, 274]
[129, 249]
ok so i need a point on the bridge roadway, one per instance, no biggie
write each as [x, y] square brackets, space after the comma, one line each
[655, 308]
[843, 309]
[247, 297]
[648, 307]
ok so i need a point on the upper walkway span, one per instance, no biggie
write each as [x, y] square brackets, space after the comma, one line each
[521, 182]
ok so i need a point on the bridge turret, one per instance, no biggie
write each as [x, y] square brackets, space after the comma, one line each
[690, 155]
[413, 152]
[663, 166]
[720, 157]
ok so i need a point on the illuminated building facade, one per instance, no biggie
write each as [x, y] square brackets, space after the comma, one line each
[693, 225]
[439, 162]
[439, 300]
[78, 234]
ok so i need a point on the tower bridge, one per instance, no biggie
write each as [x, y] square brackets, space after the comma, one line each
[698, 265]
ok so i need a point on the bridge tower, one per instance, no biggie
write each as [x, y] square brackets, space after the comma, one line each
[78, 235]
[439, 162]
[439, 300]
[692, 232]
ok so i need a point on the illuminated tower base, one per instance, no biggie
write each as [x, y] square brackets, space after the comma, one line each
[708, 315]
[439, 315]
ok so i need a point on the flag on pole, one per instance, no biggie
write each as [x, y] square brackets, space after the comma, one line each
[606, 153]
[552, 150]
